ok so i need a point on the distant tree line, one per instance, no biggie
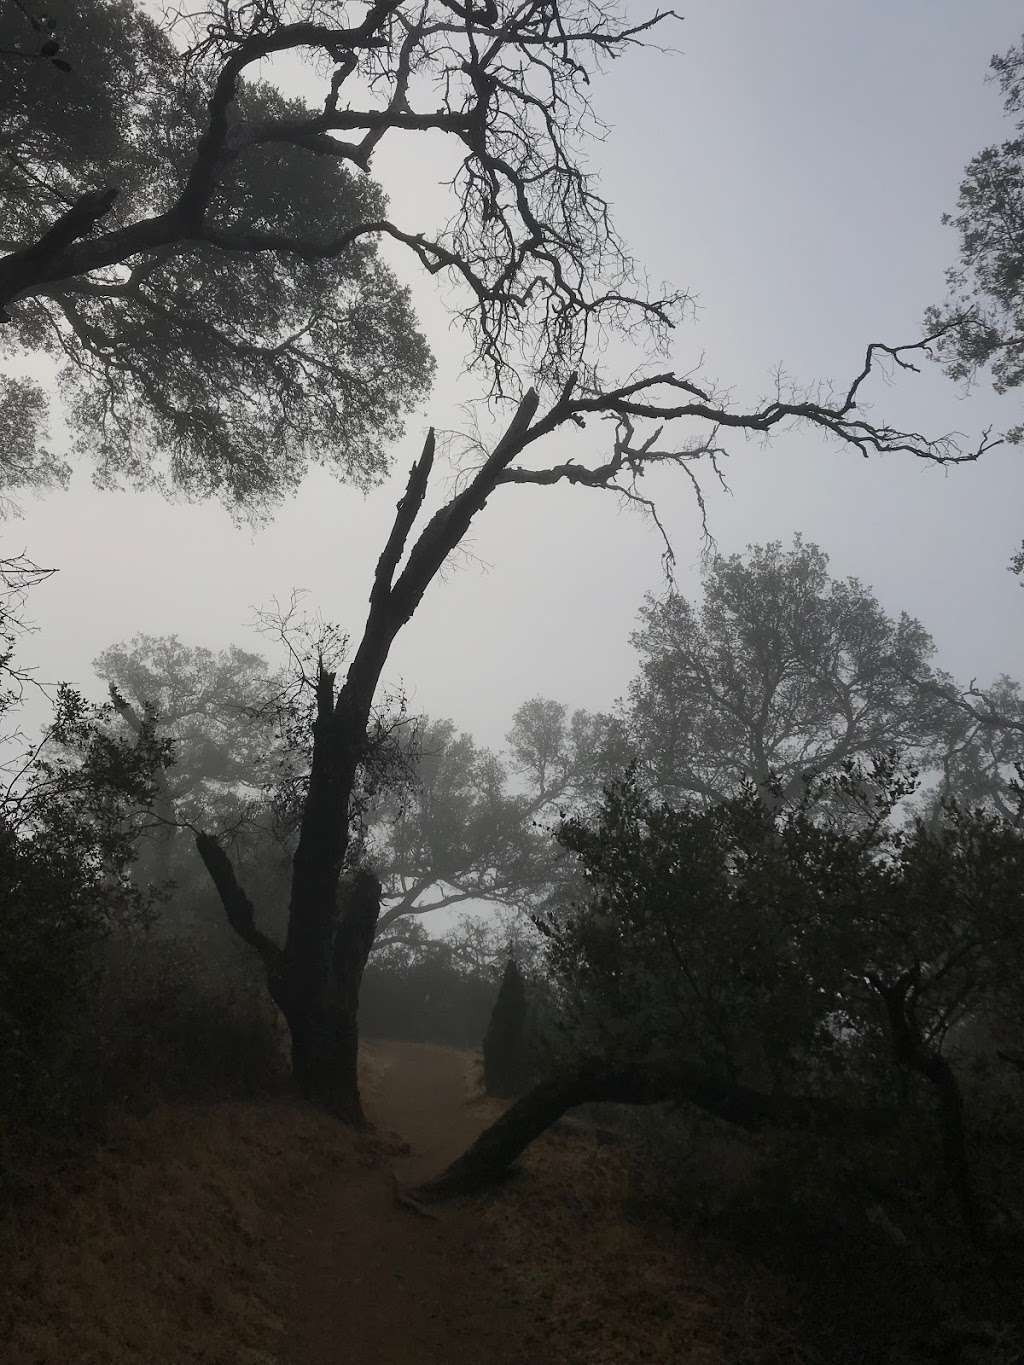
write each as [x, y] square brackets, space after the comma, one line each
[779, 678]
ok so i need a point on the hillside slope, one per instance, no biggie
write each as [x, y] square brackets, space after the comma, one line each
[263, 1233]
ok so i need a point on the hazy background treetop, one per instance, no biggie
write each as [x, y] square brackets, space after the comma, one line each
[987, 284]
[218, 708]
[779, 673]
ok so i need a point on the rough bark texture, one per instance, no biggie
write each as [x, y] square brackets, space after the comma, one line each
[323, 1021]
[315, 984]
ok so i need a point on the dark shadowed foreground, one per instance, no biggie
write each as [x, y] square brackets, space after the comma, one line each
[376, 1283]
[543, 1270]
[265, 1233]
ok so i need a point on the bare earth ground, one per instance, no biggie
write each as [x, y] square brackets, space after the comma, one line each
[262, 1233]
[375, 1284]
[545, 1270]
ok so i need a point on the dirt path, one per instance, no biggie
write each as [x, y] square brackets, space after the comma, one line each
[374, 1284]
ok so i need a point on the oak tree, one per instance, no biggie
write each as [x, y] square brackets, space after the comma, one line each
[986, 286]
[775, 967]
[778, 674]
[108, 252]
[204, 368]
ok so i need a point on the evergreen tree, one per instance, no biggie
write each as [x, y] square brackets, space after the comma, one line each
[505, 1039]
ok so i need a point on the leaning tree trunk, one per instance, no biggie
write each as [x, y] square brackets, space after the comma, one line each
[644, 1082]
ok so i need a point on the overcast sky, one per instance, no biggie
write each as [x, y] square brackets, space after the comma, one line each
[789, 163]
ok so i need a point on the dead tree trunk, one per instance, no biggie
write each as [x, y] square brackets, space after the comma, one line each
[314, 981]
[319, 996]
[332, 916]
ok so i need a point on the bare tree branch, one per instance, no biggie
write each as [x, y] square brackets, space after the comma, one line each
[530, 238]
[237, 905]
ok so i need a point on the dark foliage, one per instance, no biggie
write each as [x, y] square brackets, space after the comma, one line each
[102, 1002]
[67, 845]
[426, 993]
[784, 969]
[505, 1042]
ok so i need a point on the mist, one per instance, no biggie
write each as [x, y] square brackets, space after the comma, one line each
[512, 575]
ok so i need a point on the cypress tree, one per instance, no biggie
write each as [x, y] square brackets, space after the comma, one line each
[505, 1039]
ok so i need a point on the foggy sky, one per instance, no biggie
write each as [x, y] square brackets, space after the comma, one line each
[789, 163]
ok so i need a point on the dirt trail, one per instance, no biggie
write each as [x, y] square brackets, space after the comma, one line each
[375, 1284]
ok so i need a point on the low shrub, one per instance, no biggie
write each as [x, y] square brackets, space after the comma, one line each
[862, 1230]
[152, 1020]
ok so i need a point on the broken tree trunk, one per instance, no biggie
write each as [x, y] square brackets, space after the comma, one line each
[314, 982]
[315, 978]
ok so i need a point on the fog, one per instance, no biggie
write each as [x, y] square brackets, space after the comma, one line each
[656, 833]
[790, 165]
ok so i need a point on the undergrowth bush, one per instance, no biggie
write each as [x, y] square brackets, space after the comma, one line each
[151, 1019]
[862, 1230]
[172, 1022]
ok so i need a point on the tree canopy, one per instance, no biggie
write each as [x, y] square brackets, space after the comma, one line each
[781, 672]
[199, 251]
[207, 370]
[986, 286]
[216, 708]
[472, 824]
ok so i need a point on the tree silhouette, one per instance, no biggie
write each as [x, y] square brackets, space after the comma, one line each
[335, 904]
[505, 1039]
